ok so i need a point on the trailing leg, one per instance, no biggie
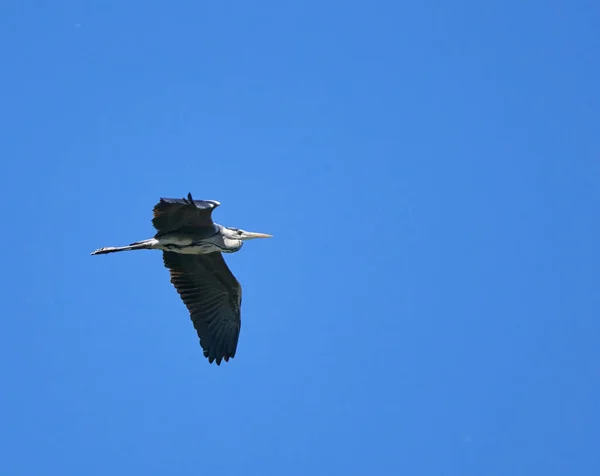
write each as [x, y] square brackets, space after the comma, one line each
[138, 245]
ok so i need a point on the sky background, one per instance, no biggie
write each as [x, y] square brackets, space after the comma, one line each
[430, 172]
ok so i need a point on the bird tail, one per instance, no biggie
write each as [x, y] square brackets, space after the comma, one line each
[138, 245]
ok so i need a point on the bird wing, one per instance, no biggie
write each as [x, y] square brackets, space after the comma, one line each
[213, 296]
[184, 214]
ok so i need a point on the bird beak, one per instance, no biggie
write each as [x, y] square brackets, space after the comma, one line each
[248, 235]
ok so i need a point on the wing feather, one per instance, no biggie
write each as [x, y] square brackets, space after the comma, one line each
[213, 297]
[183, 214]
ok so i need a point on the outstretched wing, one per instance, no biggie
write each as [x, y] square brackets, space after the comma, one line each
[213, 296]
[184, 214]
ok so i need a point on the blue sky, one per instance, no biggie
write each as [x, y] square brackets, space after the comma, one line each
[430, 171]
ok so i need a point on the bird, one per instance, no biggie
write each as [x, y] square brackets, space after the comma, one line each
[192, 245]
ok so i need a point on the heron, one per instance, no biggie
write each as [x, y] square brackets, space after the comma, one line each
[193, 246]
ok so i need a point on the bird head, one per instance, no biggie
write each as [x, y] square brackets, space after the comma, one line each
[243, 235]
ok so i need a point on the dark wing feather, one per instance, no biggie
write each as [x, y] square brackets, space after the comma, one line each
[213, 296]
[184, 214]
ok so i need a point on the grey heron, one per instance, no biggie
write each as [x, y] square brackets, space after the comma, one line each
[192, 246]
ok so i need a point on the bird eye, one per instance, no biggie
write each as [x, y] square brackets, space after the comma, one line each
[240, 232]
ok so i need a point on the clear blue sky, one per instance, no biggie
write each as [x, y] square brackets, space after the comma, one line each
[431, 174]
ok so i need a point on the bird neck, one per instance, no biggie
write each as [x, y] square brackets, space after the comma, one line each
[232, 245]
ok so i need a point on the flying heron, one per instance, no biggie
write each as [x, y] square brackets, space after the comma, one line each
[192, 245]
